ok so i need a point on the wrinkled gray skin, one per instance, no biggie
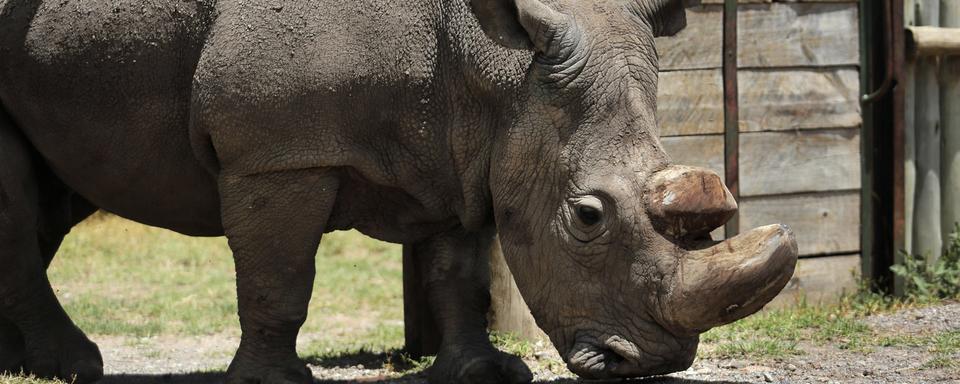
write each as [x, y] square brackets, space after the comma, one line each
[430, 122]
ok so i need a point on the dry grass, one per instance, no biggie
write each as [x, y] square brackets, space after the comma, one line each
[116, 277]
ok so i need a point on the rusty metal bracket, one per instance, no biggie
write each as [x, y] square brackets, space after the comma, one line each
[888, 80]
[731, 111]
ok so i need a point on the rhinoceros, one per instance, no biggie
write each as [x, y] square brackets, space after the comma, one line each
[440, 123]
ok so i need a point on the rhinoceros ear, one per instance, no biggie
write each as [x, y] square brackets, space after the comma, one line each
[520, 24]
[669, 16]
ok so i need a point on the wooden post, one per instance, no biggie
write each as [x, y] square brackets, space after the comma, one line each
[933, 41]
[909, 151]
[950, 120]
[926, 226]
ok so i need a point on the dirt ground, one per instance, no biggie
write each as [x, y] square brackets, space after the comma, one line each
[201, 360]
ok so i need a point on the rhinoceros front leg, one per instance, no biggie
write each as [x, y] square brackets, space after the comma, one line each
[456, 274]
[273, 223]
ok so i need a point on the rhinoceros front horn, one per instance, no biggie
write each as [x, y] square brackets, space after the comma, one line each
[720, 282]
[716, 282]
[688, 201]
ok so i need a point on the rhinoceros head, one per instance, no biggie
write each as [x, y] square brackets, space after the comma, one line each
[608, 242]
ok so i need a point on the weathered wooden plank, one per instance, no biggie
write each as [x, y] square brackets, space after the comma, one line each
[773, 35]
[698, 151]
[691, 102]
[799, 161]
[779, 162]
[825, 223]
[820, 280]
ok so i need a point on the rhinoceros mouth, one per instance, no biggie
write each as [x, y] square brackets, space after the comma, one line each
[718, 282]
[616, 357]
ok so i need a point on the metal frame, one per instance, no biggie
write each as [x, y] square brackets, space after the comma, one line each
[731, 111]
[882, 200]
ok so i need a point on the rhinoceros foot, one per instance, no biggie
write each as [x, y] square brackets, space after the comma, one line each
[476, 365]
[253, 368]
[66, 354]
[11, 347]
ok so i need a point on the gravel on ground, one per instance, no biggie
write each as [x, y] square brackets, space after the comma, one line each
[201, 360]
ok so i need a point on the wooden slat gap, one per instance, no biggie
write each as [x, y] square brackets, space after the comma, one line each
[832, 192]
[829, 254]
[812, 68]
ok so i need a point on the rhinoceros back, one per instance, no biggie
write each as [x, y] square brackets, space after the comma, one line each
[102, 90]
[136, 105]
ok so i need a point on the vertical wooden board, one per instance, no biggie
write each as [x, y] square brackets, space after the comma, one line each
[691, 102]
[820, 280]
[824, 223]
[800, 161]
[950, 130]
[773, 35]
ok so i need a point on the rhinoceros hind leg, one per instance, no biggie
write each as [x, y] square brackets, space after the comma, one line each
[52, 345]
[273, 222]
[457, 277]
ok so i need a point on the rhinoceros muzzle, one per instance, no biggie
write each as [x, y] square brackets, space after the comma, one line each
[716, 282]
[713, 282]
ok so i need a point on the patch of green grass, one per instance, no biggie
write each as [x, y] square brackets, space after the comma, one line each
[946, 349]
[776, 333]
[927, 279]
[116, 277]
[941, 362]
[10, 379]
[512, 344]
[755, 347]
[382, 338]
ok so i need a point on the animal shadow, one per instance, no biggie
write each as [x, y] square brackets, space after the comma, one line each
[395, 360]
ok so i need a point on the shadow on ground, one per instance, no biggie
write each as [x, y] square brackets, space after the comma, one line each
[369, 360]
[213, 378]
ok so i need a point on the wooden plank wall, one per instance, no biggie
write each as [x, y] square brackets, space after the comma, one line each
[800, 124]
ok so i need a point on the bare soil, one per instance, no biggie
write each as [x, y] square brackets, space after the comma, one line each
[201, 360]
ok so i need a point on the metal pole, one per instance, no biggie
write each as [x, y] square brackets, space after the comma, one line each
[926, 224]
[731, 112]
[950, 124]
[909, 143]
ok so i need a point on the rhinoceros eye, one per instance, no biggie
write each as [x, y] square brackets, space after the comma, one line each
[589, 215]
[586, 218]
